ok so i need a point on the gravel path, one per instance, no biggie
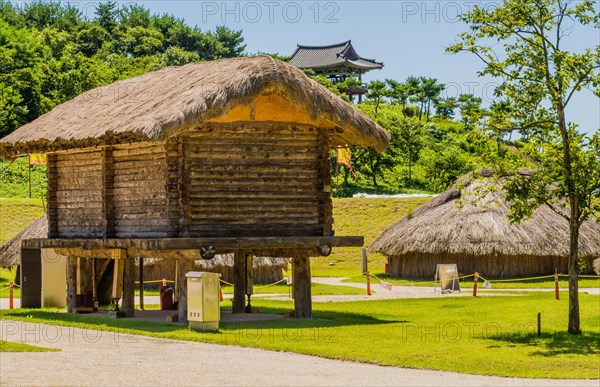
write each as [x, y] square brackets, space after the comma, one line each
[90, 358]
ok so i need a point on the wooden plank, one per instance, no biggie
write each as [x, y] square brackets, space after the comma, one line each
[119, 151]
[131, 213]
[241, 170]
[301, 283]
[139, 223]
[121, 204]
[203, 163]
[148, 164]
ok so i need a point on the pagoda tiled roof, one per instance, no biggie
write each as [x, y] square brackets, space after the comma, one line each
[332, 56]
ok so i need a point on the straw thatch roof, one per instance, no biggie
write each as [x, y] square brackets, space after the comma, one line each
[460, 222]
[10, 253]
[157, 105]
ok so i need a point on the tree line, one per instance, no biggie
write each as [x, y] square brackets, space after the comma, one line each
[50, 52]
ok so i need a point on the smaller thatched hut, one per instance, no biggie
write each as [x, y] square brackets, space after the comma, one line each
[10, 252]
[265, 270]
[470, 227]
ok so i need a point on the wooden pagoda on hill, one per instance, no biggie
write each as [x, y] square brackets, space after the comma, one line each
[337, 62]
[229, 156]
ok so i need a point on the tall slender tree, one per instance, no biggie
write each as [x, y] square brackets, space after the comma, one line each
[525, 44]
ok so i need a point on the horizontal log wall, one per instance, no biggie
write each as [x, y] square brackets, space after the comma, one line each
[75, 194]
[252, 180]
[139, 195]
[108, 192]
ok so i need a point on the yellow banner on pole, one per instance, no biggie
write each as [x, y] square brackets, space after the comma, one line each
[38, 159]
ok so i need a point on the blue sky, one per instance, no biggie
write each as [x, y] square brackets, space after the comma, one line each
[408, 36]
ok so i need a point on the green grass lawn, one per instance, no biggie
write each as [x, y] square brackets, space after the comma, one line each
[366, 217]
[7, 346]
[484, 335]
[467, 283]
[16, 214]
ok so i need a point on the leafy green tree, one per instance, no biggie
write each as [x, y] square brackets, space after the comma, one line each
[175, 56]
[470, 110]
[398, 93]
[107, 16]
[539, 79]
[134, 16]
[140, 41]
[231, 42]
[431, 90]
[409, 142]
[91, 39]
[376, 93]
[445, 107]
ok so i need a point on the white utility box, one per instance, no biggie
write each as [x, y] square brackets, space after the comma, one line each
[203, 297]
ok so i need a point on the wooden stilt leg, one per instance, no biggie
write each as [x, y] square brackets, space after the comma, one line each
[301, 284]
[185, 265]
[71, 284]
[141, 283]
[239, 282]
[128, 304]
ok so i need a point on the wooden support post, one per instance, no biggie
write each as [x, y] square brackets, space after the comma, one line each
[474, 284]
[301, 284]
[117, 288]
[185, 265]
[556, 291]
[239, 282]
[128, 304]
[94, 285]
[141, 283]
[249, 280]
[71, 284]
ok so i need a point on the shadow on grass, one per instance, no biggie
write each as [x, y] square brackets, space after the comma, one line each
[559, 343]
[326, 319]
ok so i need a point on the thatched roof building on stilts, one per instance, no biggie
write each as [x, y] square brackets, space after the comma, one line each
[470, 227]
[222, 157]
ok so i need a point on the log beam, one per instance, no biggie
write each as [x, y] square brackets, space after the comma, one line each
[301, 285]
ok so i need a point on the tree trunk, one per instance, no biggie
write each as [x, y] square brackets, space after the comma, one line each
[574, 323]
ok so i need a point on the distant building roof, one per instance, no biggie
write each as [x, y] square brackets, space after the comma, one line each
[332, 56]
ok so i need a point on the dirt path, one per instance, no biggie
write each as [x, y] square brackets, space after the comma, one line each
[90, 358]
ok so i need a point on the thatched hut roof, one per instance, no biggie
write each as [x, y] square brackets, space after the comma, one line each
[160, 104]
[466, 222]
[10, 253]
